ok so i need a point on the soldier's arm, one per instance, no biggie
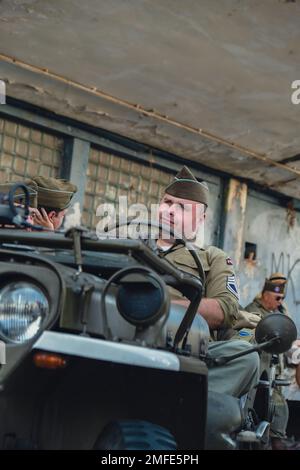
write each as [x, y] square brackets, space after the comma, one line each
[221, 302]
[209, 309]
[253, 308]
[219, 307]
[212, 311]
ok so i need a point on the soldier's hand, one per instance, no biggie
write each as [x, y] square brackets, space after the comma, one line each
[246, 320]
[41, 218]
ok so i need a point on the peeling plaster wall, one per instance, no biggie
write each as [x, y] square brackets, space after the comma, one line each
[278, 249]
[235, 208]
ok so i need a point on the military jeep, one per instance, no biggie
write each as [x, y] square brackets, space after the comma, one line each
[96, 355]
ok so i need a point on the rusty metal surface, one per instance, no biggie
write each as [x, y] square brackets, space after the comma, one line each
[209, 82]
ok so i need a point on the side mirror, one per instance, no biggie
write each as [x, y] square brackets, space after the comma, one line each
[274, 334]
[279, 326]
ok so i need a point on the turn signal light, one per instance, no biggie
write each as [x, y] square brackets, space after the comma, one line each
[49, 361]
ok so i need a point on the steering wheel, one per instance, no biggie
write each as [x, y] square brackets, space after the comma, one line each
[164, 228]
[185, 325]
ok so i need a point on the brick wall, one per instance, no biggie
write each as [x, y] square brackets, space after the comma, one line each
[25, 151]
[110, 176]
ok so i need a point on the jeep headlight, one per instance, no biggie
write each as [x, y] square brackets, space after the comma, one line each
[142, 297]
[23, 308]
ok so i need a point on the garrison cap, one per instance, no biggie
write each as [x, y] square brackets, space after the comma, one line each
[275, 283]
[278, 277]
[186, 186]
[19, 194]
[54, 192]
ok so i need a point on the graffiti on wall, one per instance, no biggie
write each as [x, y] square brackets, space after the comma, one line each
[287, 265]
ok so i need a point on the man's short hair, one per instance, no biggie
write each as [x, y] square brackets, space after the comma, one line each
[50, 209]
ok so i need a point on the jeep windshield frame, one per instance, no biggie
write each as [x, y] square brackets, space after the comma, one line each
[189, 285]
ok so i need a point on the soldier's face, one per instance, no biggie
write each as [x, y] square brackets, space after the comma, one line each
[182, 215]
[57, 218]
[272, 300]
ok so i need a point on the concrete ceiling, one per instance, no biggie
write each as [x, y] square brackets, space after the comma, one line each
[207, 80]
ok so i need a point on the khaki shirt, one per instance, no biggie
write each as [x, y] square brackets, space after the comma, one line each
[257, 307]
[219, 282]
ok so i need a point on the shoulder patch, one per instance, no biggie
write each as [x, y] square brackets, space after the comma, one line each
[231, 286]
[245, 333]
[229, 261]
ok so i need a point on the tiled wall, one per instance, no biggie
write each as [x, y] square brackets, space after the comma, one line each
[110, 176]
[25, 151]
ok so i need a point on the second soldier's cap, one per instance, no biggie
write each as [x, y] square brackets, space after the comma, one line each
[278, 277]
[54, 192]
[186, 186]
[275, 283]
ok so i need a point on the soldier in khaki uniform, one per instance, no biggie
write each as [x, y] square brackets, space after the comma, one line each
[49, 199]
[54, 196]
[270, 300]
[183, 208]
